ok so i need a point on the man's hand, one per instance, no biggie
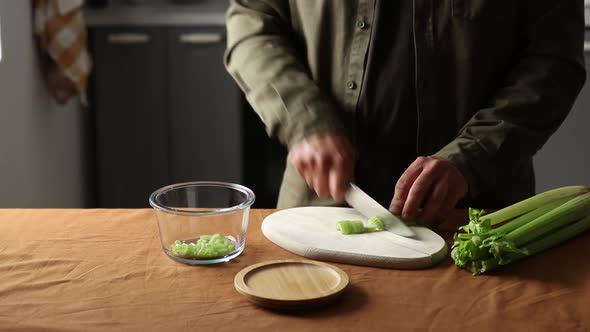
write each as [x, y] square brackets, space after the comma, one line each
[431, 184]
[326, 162]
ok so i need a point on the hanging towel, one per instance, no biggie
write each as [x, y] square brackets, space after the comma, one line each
[61, 34]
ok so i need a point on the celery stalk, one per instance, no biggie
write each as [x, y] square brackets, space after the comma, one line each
[551, 240]
[529, 216]
[566, 213]
[532, 203]
[540, 223]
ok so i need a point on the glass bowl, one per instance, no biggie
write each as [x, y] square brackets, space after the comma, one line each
[202, 222]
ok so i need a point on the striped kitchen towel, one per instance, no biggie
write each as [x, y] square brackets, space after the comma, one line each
[61, 34]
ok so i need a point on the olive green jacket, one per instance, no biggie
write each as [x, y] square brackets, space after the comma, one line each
[494, 79]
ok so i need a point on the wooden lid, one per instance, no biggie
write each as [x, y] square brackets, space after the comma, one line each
[290, 283]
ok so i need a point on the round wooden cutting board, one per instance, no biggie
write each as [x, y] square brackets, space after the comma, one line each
[311, 232]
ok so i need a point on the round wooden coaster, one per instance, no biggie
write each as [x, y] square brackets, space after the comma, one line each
[290, 283]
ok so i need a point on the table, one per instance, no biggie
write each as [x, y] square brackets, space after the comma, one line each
[104, 270]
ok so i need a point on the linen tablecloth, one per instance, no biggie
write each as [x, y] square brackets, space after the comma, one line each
[104, 270]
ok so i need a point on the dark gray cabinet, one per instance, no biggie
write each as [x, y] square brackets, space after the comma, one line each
[129, 104]
[166, 111]
[205, 122]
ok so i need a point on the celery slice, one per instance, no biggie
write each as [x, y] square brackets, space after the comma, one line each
[207, 246]
[357, 227]
[351, 227]
[377, 223]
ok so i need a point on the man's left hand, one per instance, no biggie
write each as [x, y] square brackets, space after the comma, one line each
[430, 187]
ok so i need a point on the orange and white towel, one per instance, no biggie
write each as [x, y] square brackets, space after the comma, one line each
[61, 33]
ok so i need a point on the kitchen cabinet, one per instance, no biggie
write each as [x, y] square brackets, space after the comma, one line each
[166, 111]
[129, 105]
[565, 158]
[205, 118]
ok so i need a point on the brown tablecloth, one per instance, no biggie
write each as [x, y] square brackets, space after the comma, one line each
[99, 270]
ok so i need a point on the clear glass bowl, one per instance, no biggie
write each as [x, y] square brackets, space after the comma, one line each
[193, 211]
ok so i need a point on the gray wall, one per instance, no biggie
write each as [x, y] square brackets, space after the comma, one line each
[565, 159]
[42, 149]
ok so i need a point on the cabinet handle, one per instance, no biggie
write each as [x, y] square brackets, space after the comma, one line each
[128, 38]
[200, 38]
[586, 46]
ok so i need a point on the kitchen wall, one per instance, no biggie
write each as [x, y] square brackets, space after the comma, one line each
[42, 145]
[565, 159]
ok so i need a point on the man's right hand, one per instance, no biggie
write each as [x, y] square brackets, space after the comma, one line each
[326, 162]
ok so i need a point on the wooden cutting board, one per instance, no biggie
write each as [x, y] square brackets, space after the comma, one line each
[311, 232]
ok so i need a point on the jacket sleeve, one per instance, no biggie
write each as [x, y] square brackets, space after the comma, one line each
[536, 96]
[268, 64]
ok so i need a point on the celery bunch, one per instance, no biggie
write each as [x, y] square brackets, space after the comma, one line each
[522, 229]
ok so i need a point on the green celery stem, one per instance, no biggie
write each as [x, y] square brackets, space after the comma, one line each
[566, 213]
[527, 217]
[559, 236]
[543, 243]
[534, 202]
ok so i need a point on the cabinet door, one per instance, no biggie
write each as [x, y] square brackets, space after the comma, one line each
[129, 103]
[565, 160]
[205, 114]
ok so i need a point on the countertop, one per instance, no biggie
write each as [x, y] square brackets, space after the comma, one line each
[158, 13]
[104, 270]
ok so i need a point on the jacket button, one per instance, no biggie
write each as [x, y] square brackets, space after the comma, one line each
[361, 24]
[351, 85]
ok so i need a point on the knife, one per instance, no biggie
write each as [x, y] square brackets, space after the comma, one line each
[368, 207]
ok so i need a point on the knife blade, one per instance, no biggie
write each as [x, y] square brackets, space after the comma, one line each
[368, 207]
